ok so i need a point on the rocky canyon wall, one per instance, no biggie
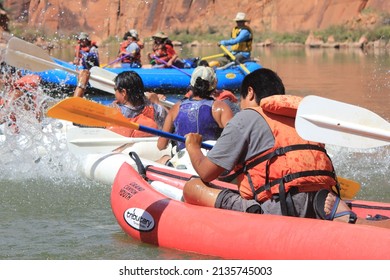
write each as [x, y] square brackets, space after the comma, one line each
[104, 18]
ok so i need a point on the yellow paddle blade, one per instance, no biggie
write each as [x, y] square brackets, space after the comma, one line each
[85, 112]
[348, 188]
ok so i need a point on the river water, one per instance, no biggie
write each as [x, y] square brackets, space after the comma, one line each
[49, 211]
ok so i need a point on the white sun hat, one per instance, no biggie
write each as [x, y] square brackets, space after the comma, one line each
[241, 17]
[205, 73]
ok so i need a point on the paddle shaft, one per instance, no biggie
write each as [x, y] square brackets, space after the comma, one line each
[50, 65]
[86, 112]
[116, 60]
[349, 127]
[173, 66]
[213, 56]
[243, 67]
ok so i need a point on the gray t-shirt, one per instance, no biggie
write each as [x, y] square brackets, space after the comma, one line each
[246, 135]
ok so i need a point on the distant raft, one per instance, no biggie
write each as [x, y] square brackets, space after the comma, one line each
[156, 79]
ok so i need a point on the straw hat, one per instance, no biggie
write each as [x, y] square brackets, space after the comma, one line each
[205, 73]
[241, 17]
[160, 34]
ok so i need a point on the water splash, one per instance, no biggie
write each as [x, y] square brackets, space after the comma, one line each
[32, 145]
[369, 167]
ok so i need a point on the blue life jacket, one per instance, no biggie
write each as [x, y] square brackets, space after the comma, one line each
[196, 116]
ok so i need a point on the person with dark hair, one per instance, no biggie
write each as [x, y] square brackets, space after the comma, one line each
[130, 50]
[130, 99]
[277, 172]
[163, 54]
[199, 113]
[220, 94]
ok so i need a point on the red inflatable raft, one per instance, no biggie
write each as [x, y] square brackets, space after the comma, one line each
[160, 218]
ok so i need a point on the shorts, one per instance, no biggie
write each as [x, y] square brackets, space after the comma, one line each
[232, 200]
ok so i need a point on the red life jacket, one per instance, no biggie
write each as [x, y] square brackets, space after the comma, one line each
[122, 50]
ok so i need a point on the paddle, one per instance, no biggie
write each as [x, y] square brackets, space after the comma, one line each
[173, 66]
[243, 67]
[24, 55]
[90, 140]
[332, 122]
[106, 82]
[117, 59]
[82, 111]
[212, 56]
[348, 188]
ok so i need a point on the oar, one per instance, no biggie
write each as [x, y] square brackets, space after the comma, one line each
[90, 140]
[212, 56]
[116, 60]
[108, 84]
[106, 76]
[243, 67]
[332, 122]
[85, 112]
[24, 55]
[173, 66]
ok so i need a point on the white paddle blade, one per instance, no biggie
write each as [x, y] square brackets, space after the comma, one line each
[87, 140]
[24, 55]
[102, 79]
[332, 122]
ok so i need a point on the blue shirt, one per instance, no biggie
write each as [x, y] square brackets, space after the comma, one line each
[243, 36]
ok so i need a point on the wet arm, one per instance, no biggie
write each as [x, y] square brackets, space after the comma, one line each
[221, 113]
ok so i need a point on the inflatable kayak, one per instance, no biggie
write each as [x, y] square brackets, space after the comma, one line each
[154, 79]
[150, 210]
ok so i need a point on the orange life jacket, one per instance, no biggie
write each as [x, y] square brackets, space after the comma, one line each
[226, 94]
[146, 118]
[292, 162]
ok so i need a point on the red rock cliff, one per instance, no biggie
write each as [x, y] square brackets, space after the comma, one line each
[104, 18]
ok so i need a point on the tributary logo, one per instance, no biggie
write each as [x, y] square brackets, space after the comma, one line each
[139, 219]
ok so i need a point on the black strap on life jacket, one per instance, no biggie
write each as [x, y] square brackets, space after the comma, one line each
[277, 152]
[285, 198]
